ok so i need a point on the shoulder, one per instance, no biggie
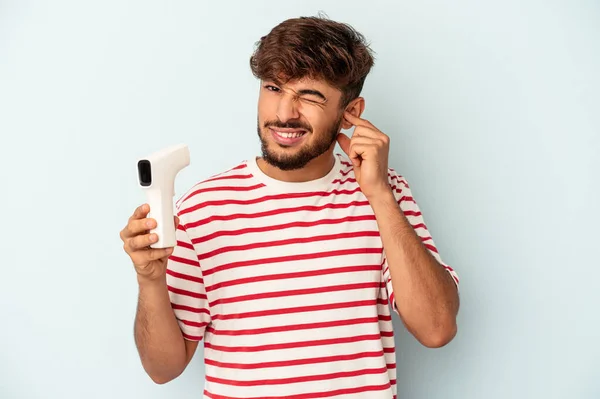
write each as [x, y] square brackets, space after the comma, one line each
[216, 186]
[397, 180]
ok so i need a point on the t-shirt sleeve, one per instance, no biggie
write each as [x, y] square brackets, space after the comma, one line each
[186, 288]
[411, 210]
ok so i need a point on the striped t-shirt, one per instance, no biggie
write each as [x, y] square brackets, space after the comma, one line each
[288, 285]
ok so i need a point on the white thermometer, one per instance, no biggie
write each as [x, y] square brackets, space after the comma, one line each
[156, 176]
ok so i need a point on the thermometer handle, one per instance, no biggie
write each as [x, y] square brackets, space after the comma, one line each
[161, 209]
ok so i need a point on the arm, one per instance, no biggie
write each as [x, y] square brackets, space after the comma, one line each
[420, 288]
[425, 293]
[163, 351]
[172, 310]
[173, 313]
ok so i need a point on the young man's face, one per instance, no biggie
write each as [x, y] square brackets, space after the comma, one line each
[297, 121]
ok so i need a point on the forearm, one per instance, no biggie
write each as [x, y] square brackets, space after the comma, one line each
[158, 337]
[425, 294]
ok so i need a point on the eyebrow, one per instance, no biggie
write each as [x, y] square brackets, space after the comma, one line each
[304, 91]
[313, 92]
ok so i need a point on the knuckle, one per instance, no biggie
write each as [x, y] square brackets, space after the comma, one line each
[136, 243]
[129, 245]
[134, 228]
[141, 225]
[142, 242]
[153, 254]
[128, 249]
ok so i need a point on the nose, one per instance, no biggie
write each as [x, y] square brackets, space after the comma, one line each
[287, 108]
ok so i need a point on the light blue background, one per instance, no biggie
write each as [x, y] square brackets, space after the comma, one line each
[494, 113]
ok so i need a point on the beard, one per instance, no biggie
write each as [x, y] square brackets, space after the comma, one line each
[304, 154]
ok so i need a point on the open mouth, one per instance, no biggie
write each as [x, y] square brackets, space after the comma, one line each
[287, 136]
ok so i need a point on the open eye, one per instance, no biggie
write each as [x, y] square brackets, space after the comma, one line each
[272, 88]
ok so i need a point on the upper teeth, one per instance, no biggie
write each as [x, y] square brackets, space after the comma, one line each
[290, 135]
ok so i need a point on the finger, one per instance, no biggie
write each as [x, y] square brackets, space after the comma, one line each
[344, 142]
[140, 212]
[159, 253]
[362, 131]
[377, 140]
[363, 150]
[356, 121]
[147, 256]
[176, 221]
[142, 242]
[136, 227]
[363, 140]
[350, 151]
[364, 146]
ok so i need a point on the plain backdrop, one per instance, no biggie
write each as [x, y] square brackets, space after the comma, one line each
[493, 109]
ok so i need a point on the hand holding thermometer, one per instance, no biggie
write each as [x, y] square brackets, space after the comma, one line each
[156, 176]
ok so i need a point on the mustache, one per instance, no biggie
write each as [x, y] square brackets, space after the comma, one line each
[288, 125]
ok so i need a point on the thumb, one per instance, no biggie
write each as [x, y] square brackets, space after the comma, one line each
[176, 221]
[344, 142]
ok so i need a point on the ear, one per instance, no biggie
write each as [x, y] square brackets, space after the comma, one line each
[356, 108]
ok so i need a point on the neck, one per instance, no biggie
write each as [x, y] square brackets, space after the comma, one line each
[315, 169]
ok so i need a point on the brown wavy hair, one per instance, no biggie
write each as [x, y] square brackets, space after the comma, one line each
[317, 48]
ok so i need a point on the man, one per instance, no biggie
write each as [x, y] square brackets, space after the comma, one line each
[286, 266]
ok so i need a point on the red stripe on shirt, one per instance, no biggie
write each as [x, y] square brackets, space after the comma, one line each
[296, 344]
[263, 229]
[291, 258]
[273, 212]
[298, 309]
[294, 362]
[287, 293]
[266, 198]
[294, 327]
[294, 380]
[289, 241]
[323, 394]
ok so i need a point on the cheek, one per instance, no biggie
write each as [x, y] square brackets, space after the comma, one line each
[317, 118]
[262, 109]
[267, 107]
